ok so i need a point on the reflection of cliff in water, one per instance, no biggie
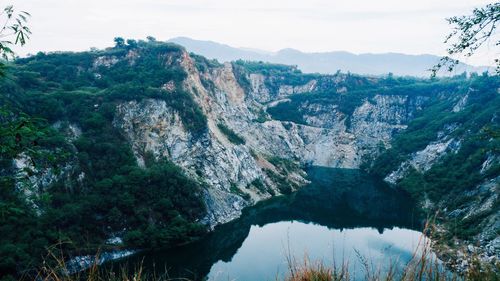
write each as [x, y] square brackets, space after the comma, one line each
[336, 198]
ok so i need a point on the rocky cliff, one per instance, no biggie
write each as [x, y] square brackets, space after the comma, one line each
[328, 137]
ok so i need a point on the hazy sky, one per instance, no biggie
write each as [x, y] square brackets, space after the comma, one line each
[358, 26]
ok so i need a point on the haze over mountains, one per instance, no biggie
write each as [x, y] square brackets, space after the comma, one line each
[326, 62]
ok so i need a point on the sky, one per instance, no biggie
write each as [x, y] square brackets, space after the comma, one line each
[358, 26]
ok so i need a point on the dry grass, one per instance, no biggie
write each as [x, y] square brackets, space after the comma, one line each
[420, 268]
[95, 273]
[417, 270]
[423, 265]
[315, 271]
[54, 268]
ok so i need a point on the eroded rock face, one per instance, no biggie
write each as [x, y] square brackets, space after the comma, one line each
[334, 139]
[328, 139]
[153, 127]
[265, 89]
[423, 160]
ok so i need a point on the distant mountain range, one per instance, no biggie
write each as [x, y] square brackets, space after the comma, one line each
[327, 62]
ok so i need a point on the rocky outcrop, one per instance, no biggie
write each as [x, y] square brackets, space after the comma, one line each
[423, 160]
[152, 127]
[262, 89]
[469, 216]
[227, 169]
[460, 105]
[243, 147]
[333, 139]
[480, 205]
[33, 179]
[489, 162]
[30, 180]
[81, 263]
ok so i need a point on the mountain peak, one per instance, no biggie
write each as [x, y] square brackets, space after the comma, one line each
[289, 51]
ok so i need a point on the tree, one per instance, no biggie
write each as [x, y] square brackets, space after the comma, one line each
[16, 133]
[131, 43]
[13, 32]
[119, 42]
[469, 33]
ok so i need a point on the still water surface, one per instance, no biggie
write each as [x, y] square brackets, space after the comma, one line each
[342, 216]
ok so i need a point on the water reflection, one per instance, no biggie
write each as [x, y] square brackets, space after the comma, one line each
[263, 254]
[341, 209]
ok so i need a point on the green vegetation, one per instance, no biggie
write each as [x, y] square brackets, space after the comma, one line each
[191, 114]
[230, 134]
[101, 191]
[282, 182]
[156, 205]
[240, 73]
[277, 74]
[284, 167]
[257, 183]
[284, 164]
[267, 68]
[234, 189]
[62, 85]
[294, 110]
[469, 33]
[203, 64]
[14, 31]
[261, 116]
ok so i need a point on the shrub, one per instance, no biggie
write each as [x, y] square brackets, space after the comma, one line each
[230, 134]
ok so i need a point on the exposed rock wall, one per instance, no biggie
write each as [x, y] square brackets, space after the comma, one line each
[153, 127]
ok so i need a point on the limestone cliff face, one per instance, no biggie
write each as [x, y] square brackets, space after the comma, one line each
[328, 140]
[152, 127]
[229, 170]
